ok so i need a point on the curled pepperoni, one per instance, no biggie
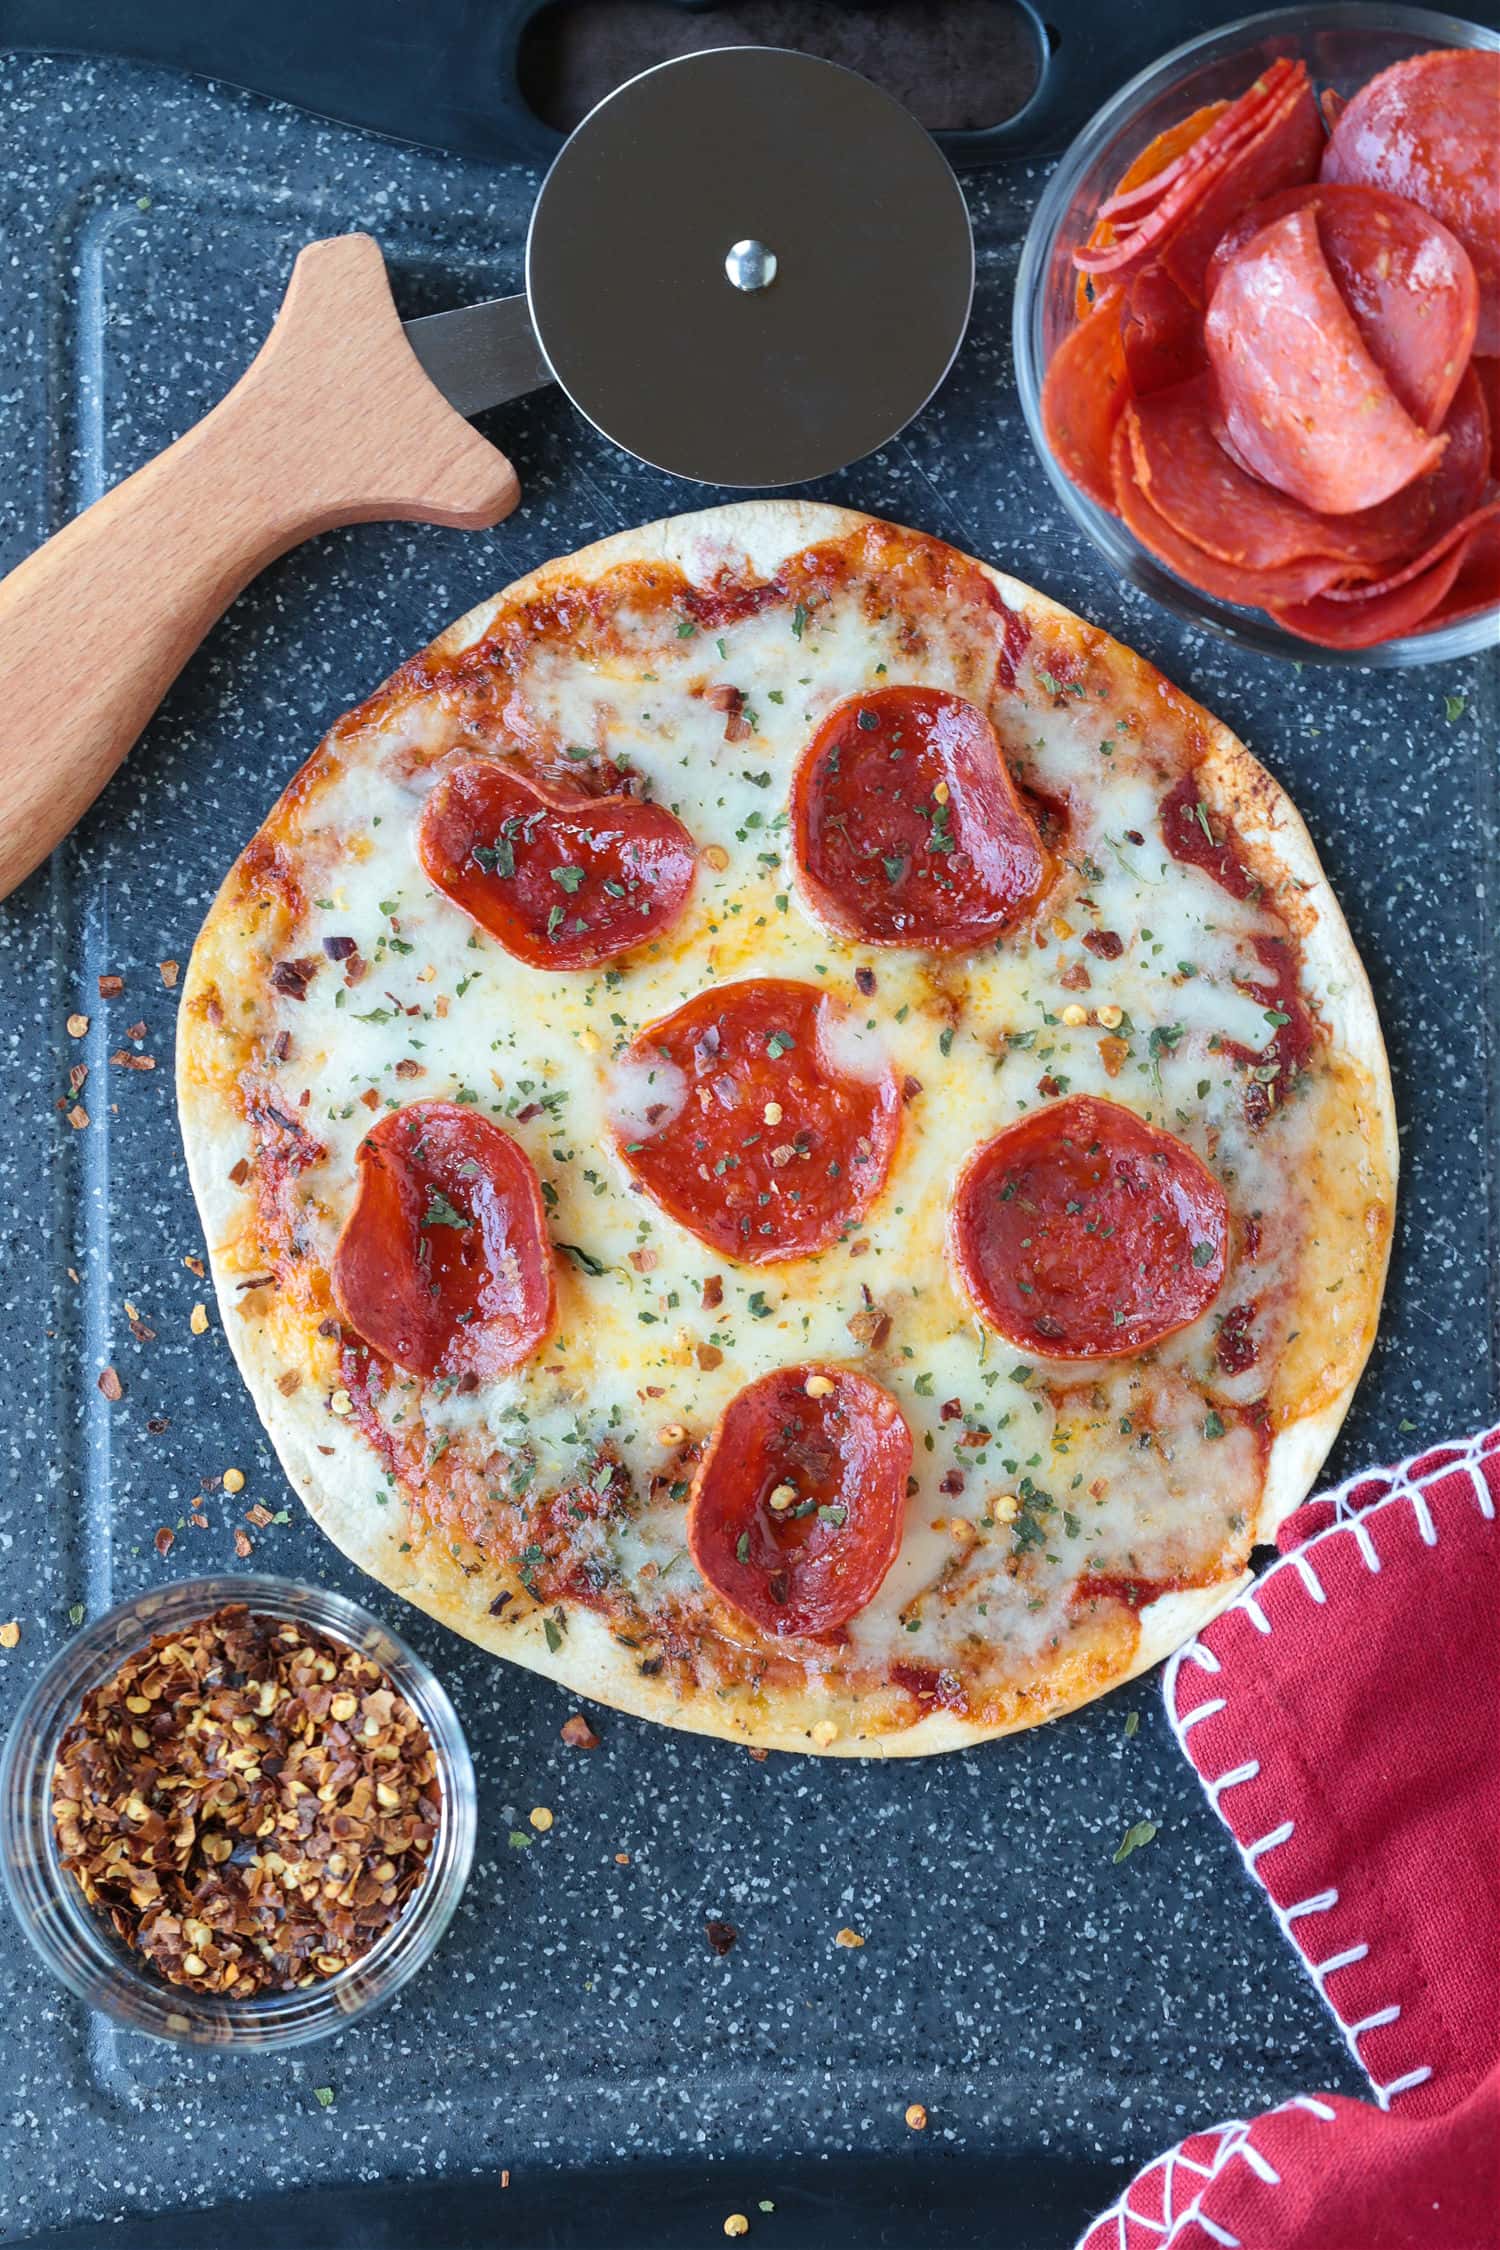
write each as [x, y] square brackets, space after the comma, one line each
[1214, 503]
[1426, 129]
[1285, 152]
[1477, 586]
[798, 1505]
[1081, 1232]
[1142, 210]
[1083, 393]
[1364, 616]
[1271, 138]
[1305, 406]
[443, 1265]
[907, 826]
[758, 1115]
[1190, 479]
[1156, 158]
[562, 883]
[1162, 333]
[1295, 581]
[1407, 282]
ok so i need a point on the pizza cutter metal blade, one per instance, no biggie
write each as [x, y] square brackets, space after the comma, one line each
[748, 267]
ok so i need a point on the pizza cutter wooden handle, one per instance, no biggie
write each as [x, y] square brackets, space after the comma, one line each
[333, 423]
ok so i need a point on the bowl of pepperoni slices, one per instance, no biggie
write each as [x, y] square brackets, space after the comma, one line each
[1257, 333]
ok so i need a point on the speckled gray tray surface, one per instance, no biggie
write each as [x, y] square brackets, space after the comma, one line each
[1034, 1996]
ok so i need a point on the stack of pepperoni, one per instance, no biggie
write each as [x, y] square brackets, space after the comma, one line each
[1285, 374]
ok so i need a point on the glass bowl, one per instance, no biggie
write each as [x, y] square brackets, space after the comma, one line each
[1343, 45]
[77, 1944]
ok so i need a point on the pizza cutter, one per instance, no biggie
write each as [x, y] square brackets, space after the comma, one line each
[746, 267]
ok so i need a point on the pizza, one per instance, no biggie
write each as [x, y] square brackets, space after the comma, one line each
[791, 1137]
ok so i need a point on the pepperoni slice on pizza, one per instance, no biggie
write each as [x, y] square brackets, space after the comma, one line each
[563, 883]
[798, 1506]
[443, 1265]
[1082, 1232]
[908, 827]
[761, 1115]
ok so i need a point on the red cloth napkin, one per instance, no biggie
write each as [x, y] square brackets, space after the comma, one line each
[1344, 1718]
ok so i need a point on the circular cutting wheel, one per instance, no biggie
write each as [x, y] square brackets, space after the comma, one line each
[750, 267]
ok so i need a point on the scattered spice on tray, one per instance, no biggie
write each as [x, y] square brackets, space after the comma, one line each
[248, 1802]
[722, 1936]
[1138, 1833]
[578, 1734]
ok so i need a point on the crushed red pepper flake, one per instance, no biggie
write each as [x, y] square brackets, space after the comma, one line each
[248, 1803]
[578, 1734]
[110, 1384]
[168, 973]
[722, 1937]
[125, 1060]
[110, 987]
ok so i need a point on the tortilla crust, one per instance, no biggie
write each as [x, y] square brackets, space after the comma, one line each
[336, 1473]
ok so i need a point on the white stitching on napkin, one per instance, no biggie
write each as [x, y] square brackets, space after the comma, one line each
[1234, 2143]
[1401, 1488]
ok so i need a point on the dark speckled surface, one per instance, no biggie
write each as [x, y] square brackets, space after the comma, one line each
[1036, 1998]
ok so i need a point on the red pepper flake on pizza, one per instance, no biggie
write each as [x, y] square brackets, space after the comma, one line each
[827, 1167]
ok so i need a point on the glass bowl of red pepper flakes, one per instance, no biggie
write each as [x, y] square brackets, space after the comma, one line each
[236, 1812]
[1343, 46]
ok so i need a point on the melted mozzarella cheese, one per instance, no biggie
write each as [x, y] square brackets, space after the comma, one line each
[1067, 1469]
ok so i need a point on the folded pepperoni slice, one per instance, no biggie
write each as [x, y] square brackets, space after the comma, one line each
[1081, 1232]
[798, 1505]
[1285, 152]
[1426, 129]
[1145, 189]
[1477, 586]
[1364, 616]
[1155, 160]
[1296, 581]
[1408, 283]
[1083, 392]
[1486, 373]
[443, 1265]
[1304, 404]
[561, 882]
[906, 824]
[1214, 503]
[762, 1116]
[1219, 506]
[1162, 332]
[1271, 138]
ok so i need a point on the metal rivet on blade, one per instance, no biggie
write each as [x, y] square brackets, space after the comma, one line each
[750, 265]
